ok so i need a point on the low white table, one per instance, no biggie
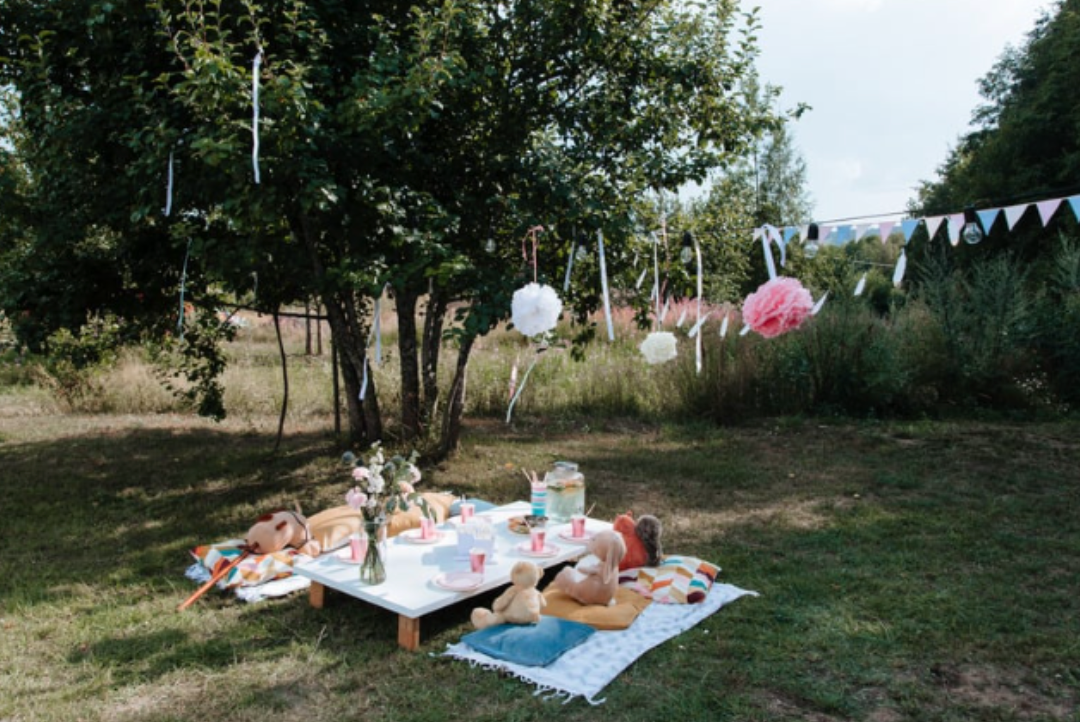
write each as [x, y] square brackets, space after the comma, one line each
[411, 567]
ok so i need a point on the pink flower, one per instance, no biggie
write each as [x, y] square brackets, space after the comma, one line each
[777, 307]
[361, 473]
[355, 498]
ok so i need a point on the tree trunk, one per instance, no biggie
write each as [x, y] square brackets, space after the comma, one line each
[429, 353]
[348, 331]
[405, 301]
[451, 427]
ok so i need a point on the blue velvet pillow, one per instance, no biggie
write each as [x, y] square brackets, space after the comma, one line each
[532, 645]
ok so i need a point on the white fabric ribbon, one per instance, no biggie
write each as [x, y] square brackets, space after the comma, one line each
[700, 319]
[256, 66]
[860, 286]
[641, 279]
[183, 288]
[169, 188]
[695, 330]
[569, 267]
[819, 304]
[901, 266]
[766, 239]
[724, 327]
[603, 286]
[656, 277]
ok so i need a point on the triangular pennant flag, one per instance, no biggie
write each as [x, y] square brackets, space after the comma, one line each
[956, 224]
[789, 232]
[932, 225]
[860, 286]
[886, 230]
[758, 232]
[908, 226]
[987, 218]
[861, 229]
[901, 266]
[1075, 203]
[1013, 213]
[824, 231]
[804, 231]
[1047, 209]
[844, 234]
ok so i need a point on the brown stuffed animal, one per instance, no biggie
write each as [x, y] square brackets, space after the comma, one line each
[519, 604]
[595, 579]
[277, 530]
[648, 530]
[636, 553]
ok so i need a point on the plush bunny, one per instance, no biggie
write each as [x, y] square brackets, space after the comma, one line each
[595, 578]
[277, 530]
[519, 604]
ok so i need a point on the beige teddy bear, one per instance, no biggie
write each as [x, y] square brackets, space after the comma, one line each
[519, 604]
[595, 578]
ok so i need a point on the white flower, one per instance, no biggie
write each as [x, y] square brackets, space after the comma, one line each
[535, 309]
[658, 347]
[376, 484]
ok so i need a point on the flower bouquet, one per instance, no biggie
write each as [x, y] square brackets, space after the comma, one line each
[384, 486]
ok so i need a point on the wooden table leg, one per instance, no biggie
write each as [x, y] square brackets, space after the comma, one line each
[408, 633]
[316, 594]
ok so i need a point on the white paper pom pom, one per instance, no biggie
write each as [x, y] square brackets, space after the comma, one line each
[658, 347]
[535, 309]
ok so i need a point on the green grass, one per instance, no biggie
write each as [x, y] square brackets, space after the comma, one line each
[924, 571]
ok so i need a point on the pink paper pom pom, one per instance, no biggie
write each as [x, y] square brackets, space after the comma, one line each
[777, 307]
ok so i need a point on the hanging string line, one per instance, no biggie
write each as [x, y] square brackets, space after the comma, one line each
[531, 234]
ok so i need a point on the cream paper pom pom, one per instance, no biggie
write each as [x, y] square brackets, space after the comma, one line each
[535, 309]
[658, 347]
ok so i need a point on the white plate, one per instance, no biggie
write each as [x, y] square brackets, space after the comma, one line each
[413, 537]
[565, 535]
[458, 581]
[548, 550]
[345, 557]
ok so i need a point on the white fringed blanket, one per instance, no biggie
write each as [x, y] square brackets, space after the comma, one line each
[586, 669]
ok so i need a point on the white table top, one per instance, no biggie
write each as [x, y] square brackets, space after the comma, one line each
[411, 567]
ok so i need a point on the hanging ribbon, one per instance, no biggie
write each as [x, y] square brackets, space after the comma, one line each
[724, 327]
[604, 284]
[363, 382]
[169, 188]
[860, 286]
[656, 278]
[183, 288]
[901, 266]
[569, 268]
[376, 330]
[641, 279]
[819, 304]
[256, 66]
[524, 380]
[531, 234]
[682, 318]
[769, 263]
[695, 331]
[700, 320]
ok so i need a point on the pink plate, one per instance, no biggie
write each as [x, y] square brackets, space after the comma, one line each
[458, 581]
[548, 551]
[565, 535]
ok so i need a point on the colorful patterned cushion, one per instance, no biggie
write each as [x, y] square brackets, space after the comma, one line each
[255, 569]
[532, 645]
[678, 580]
[620, 615]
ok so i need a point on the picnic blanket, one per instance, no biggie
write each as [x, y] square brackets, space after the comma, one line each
[586, 669]
[258, 577]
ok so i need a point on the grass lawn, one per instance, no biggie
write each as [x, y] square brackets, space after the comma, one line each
[907, 571]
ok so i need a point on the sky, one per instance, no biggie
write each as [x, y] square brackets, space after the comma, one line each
[892, 83]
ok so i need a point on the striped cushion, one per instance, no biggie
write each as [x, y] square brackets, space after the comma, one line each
[256, 569]
[678, 580]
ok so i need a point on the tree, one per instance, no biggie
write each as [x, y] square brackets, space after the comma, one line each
[395, 141]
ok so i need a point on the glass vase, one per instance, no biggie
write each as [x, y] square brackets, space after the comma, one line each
[373, 568]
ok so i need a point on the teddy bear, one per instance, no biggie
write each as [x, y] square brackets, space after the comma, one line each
[519, 604]
[642, 539]
[274, 531]
[595, 578]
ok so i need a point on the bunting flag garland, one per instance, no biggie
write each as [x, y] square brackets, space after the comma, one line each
[1074, 202]
[1013, 214]
[256, 66]
[956, 224]
[907, 227]
[861, 230]
[1047, 209]
[933, 223]
[987, 218]
[886, 230]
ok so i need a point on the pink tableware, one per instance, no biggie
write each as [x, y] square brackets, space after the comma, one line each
[536, 538]
[467, 511]
[577, 526]
[477, 556]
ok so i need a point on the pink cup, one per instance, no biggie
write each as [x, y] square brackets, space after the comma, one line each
[477, 557]
[427, 528]
[467, 511]
[354, 547]
[536, 538]
[577, 526]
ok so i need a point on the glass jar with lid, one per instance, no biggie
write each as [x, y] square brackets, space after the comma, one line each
[565, 491]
